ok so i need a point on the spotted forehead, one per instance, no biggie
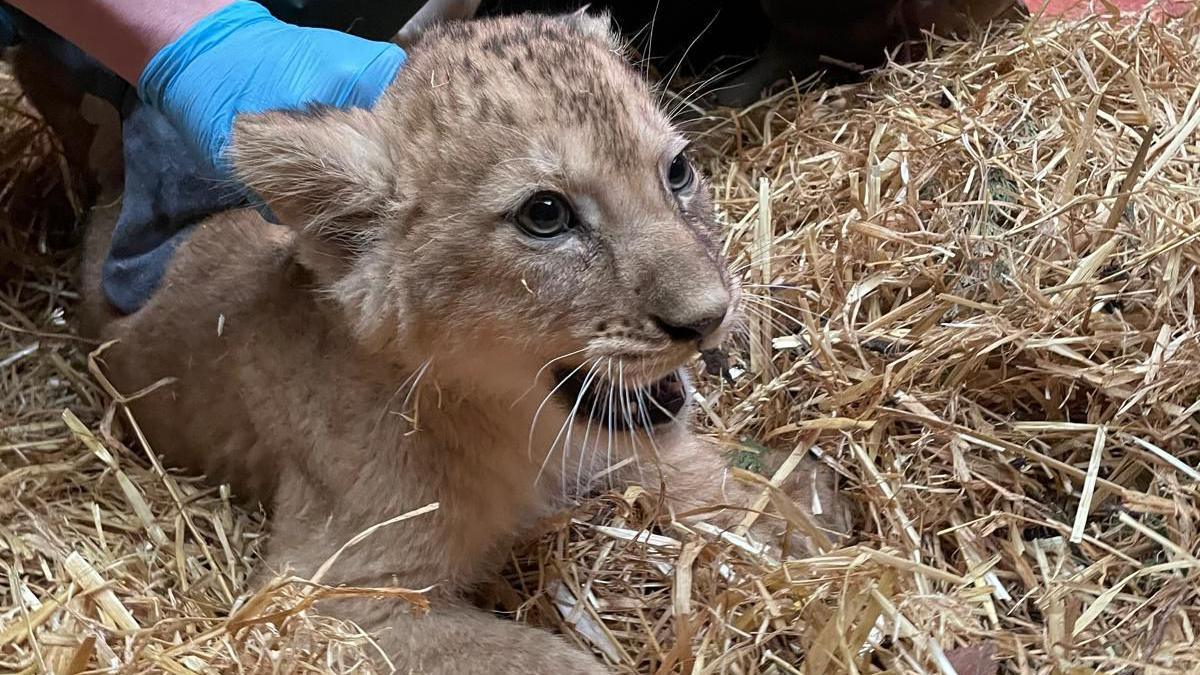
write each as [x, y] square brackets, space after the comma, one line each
[544, 73]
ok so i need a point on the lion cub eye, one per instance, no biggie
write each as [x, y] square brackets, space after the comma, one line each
[680, 174]
[545, 215]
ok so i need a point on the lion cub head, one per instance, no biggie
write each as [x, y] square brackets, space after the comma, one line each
[516, 208]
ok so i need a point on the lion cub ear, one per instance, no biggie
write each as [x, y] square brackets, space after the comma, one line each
[325, 172]
[597, 26]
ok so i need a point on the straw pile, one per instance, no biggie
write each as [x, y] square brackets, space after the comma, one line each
[976, 286]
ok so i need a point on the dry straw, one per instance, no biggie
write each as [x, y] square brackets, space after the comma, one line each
[974, 290]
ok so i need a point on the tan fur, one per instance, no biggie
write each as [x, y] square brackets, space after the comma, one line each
[386, 346]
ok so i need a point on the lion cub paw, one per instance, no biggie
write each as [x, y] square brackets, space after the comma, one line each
[813, 489]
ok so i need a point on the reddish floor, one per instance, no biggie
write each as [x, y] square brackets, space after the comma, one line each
[1072, 7]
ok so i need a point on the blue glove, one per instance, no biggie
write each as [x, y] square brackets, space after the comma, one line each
[240, 59]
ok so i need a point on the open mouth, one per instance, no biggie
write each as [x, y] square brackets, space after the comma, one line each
[610, 406]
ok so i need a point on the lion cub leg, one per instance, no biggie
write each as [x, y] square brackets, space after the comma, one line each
[455, 639]
[309, 524]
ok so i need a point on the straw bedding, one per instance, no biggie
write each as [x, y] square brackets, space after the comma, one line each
[975, 287]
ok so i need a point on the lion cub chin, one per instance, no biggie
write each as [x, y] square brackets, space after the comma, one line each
[482, 295]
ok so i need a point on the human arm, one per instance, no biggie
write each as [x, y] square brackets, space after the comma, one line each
[121, 34]
[202, 62]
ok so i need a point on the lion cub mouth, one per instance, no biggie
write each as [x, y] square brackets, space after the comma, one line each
[602, 402]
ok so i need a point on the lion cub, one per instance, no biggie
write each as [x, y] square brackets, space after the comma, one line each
[483, 294]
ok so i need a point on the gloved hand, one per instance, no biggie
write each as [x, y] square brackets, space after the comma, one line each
[240, 59]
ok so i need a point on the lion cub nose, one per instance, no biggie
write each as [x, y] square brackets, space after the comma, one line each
[694, 321]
